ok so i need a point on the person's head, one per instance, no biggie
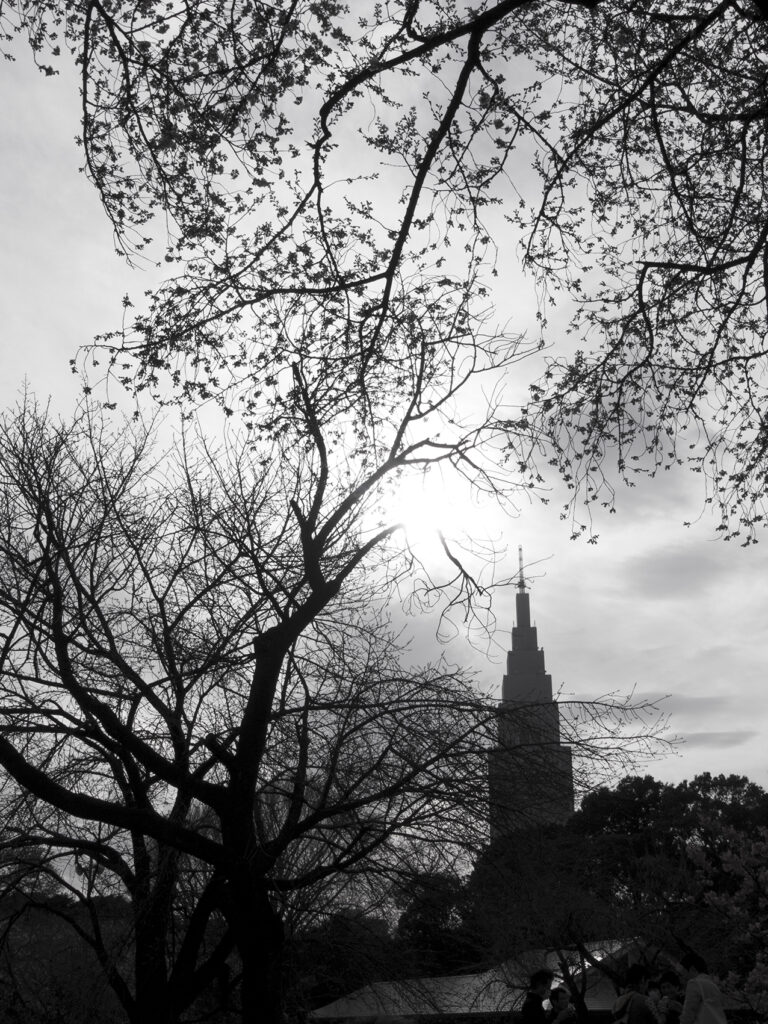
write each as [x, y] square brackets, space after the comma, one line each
[669, 984]
[693, 964]
[636, 978]
[560, 998]
[541, 982]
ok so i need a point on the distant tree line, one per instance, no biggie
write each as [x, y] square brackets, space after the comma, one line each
[676, 867]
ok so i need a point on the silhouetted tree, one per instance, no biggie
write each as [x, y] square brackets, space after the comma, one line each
[735, 890]
[649, 829]
[672, 867]
[346, 951]
[203, 710]
[158, 652]
[672, 858]
[432, 933]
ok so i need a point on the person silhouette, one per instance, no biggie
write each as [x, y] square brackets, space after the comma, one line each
[703, 1003]
[532, 1010]
[633, 1006]
[670, 1003]
[562, 1009]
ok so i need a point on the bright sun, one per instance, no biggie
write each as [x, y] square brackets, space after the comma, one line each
[427, 506]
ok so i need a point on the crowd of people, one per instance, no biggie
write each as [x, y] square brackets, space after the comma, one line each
[690, 997]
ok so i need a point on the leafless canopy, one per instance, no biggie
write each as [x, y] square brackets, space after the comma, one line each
[198, 717]
[162, 652]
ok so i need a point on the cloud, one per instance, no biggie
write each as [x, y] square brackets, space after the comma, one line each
[684, 704]
[686, 569]
[674, 571]
[718, 739]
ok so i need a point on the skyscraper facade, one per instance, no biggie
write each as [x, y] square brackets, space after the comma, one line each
[530, 771]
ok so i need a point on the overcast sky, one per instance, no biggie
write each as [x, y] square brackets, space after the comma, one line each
[668, 610]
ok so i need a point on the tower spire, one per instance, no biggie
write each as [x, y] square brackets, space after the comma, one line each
[521, 575]
[523, 606]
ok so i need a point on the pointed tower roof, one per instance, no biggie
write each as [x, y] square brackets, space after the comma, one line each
[530, 772]
[526, 678]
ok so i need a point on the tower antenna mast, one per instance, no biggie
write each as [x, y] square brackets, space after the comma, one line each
[521, 576]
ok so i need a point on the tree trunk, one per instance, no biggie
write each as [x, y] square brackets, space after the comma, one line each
[257, 931]
[582, 1011]
[153, 1002]
[153, 901]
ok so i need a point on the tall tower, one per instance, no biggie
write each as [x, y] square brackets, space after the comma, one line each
[530, 772]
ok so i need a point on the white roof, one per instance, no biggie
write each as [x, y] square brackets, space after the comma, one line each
[497, 990]
[488, 992]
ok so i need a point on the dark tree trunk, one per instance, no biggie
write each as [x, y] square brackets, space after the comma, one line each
[582, 1012]
[257, 930]
[153, 901]
[153, 1002]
